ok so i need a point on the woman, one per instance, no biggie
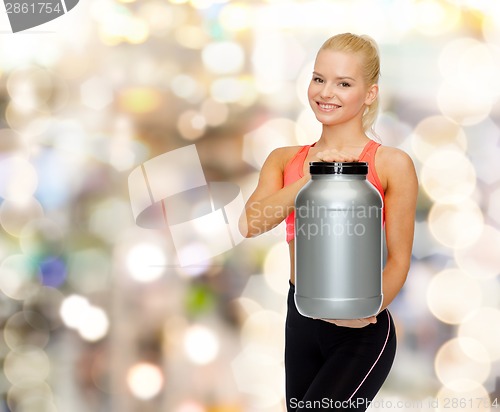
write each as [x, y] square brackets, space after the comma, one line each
[340, 364]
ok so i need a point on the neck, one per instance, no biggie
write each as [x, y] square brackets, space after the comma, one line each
[342, 136]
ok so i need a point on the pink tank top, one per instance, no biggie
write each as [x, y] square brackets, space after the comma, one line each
[295, 167]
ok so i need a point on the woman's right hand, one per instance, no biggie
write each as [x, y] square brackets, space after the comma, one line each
[332, 155]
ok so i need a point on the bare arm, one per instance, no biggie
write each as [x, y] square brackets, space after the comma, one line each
[400, 206]
[270, 203]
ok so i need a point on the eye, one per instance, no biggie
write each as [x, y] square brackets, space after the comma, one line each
[317, 80]
[344, 84]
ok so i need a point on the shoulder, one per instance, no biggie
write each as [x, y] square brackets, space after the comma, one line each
[282, 155]
[394, 164]
[394, 157]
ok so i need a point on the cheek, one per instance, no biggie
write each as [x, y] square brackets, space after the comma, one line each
[309, 92]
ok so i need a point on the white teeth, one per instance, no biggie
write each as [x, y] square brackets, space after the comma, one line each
[328, 106]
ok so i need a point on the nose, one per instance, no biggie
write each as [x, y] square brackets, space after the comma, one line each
[326, 92]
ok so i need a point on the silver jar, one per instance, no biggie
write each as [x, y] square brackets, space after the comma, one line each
[338, 243]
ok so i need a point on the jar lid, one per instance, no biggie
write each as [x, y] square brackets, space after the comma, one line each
[338, 168]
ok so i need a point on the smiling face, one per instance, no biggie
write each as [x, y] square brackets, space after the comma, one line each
[338, 92]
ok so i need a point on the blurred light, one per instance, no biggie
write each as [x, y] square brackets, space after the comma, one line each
[302, 84]
[478, 325]
[158, 15]
[52, 271]
[191, 124]
[462, 360]
[26, 328]
[201, 344]
[448, 176]
[91, 322]
[437, 132]
[394, 130]
[73, 310]
[466, 395]
[269, 47]
[89, 270]
[146, 262]
[493, 205]
[96, 93]
[215, 113]
[191, 37]
[462, 107]
[259, 143]
[29, 124]
[285, 15]
[71, 140]
[223, 57]
[36, 403]
[120, 24]
[190, 406]
[15, 215]
[108, 217]
[460, 99]
[246, 306]
[10, 142]
[205, 4]
[60, 174]
[18, 178]
[276, 271]
[42, 237]
[122, 155]
[26, 366]
[434, 18]
[187, 87]
[491, 24]
[94, 325]
[17, 277]
[264, 329]
[445, 296]
[480, 259]
[456, 225]
[259, 292]
[260, 375]
[30, 86]
[46, 301]
[140, 100]
[237, 16]
[19, 396]
[229, 90]
[145, 380]
[178, 1]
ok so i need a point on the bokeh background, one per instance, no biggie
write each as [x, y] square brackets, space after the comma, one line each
[97, 314]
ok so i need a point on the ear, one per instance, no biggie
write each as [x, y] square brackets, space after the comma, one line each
[371, 94]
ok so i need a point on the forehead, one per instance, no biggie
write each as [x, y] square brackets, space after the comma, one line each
[338, 63]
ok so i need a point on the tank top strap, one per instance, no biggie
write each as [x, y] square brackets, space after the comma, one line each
[368, 155]
[294, 167]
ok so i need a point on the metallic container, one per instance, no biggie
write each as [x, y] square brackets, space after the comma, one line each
[338, 243]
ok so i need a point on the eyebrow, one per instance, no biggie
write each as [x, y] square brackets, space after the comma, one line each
[338, 78]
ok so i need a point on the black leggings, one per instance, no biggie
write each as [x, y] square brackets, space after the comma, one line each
[332, 368]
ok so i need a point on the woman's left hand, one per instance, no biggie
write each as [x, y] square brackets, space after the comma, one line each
[353, 323]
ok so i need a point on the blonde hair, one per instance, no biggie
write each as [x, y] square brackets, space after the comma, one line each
[367, 48]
